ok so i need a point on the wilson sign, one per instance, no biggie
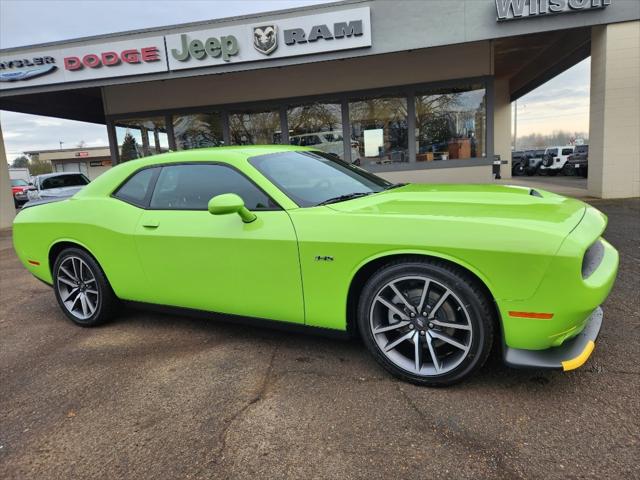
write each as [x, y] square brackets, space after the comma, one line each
[517, 9]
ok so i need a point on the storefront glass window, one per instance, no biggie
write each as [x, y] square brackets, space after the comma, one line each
[141, 137]
[379, 130]
[197, 130]
[255, 128]
[451, 124]
[317, 125]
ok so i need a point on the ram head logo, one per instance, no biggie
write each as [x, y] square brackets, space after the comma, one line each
[265, 38]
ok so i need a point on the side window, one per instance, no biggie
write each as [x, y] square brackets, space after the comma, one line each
[190, 187]
[567, 151]
[136, 189]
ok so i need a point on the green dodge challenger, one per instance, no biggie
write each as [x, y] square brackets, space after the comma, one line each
[431, 277]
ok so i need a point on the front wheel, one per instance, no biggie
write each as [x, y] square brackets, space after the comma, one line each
[81, 288]
[518, 170]
[428, 323]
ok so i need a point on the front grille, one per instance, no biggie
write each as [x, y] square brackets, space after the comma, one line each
[592, 258]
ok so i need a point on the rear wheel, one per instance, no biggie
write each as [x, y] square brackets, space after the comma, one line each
[428, 323]
[81, 288]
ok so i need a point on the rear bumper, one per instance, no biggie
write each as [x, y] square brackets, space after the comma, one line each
[570, 355]
[20, 197]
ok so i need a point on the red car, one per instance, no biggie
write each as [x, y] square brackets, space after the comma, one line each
[19, 189]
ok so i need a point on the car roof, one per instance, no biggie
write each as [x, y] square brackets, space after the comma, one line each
[235, 156]
[230, 154]
[57, 174]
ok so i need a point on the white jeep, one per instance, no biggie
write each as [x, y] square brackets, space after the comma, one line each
[554, 159]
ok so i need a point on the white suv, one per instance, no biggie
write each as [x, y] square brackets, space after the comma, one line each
[328, 142]
[554, 159]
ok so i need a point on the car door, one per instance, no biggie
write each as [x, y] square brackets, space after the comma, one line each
[218, 263]
[564, 155]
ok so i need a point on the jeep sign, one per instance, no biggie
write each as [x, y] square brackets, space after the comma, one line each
[515, 9]
[270, 38]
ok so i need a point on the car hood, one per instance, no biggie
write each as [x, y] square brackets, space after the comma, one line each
[486, 203]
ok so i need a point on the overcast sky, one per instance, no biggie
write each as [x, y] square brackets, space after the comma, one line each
[563, 103]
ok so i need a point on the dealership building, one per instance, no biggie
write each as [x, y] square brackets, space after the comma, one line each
[416, 91]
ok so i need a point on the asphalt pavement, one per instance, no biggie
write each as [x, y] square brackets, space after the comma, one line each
[158, 396]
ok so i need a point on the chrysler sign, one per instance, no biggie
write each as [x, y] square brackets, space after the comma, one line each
[13, 70]
[515, 9]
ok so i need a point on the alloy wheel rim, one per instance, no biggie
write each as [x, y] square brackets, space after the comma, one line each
[77, 287]
[421, 325]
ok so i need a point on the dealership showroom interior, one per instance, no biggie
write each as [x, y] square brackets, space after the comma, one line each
[452, 187]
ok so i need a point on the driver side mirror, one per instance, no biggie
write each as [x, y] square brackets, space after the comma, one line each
[230, 203]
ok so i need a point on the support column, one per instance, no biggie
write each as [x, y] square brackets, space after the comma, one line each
[502, 124]
[7, 210]
[614, 123]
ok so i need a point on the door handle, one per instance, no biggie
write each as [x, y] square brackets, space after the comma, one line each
[150, 223]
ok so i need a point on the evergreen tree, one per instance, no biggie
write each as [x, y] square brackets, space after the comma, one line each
[20, 162]
[129, 149]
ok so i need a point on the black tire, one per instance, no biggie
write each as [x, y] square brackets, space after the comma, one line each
[106, 303]
[531, 171]
[518, 169]
[568, 170]
[465, 289]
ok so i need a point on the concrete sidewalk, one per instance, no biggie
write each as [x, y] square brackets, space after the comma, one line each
[575, 187]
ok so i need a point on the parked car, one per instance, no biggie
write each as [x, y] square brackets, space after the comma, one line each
[19, 189]
[534, 160]
[429, 276]
[56, 185]
[554, 159]
[578, 163]
[19, 173]
[518, 163]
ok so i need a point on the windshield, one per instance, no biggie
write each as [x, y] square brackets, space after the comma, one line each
[61, 181]
[311, 178]
[19, 183]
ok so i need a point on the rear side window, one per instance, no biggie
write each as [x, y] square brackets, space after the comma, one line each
[567, 151]
[190, 187]
[63, 181]
[136, 189]
[552, 151]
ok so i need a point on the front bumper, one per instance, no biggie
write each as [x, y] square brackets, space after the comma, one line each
[570, 355]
